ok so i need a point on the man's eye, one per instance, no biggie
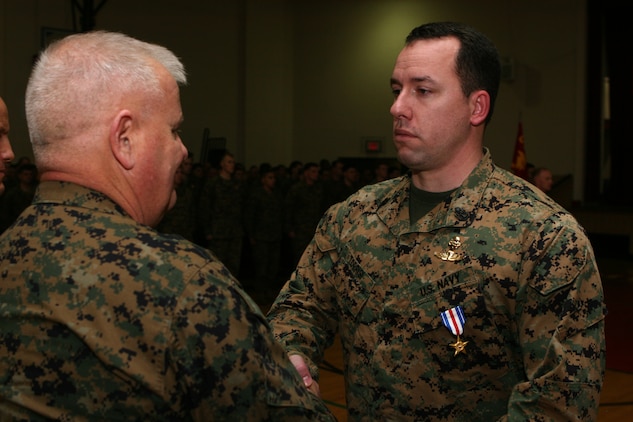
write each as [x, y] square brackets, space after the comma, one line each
[396, 92]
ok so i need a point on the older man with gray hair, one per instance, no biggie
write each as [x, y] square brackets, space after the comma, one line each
[103, 317]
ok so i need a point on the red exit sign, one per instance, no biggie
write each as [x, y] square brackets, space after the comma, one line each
[373, 145]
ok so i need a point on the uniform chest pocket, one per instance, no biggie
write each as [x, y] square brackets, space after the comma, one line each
[460, 289]
[485, 352]
[352, 280]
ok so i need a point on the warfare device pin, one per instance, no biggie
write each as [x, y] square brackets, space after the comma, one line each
[451, 254]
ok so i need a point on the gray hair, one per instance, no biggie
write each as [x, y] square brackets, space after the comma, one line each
[75, 77]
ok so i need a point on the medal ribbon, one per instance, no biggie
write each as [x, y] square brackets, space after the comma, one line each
[454, 320]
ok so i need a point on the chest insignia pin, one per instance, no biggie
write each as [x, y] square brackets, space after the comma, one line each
[451, 254]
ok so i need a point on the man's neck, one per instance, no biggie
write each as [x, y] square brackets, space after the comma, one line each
[449, 176]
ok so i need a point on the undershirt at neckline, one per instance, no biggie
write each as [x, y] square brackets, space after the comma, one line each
[421, 202]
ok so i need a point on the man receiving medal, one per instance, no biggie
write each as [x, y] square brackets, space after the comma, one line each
[455, 243]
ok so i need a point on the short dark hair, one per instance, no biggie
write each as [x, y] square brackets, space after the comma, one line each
[539, 170]
[477, 64]
[309, 165]
[26, 167]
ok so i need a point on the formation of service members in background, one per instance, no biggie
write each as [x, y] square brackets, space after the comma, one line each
[257, 221]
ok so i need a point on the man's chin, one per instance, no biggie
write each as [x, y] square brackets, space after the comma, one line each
[404, 156]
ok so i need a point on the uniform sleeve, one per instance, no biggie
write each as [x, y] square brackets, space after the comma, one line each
[226, 359]
[304, 316]
[560, 328]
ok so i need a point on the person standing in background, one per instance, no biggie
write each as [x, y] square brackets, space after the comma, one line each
[6, 152]
[196, 181]
[263, 221]
[18, 196]
[542, 178]
[181, 218]
[303, 207]
[294, 175]
[347, 185]
[221, 207]
[381, 172]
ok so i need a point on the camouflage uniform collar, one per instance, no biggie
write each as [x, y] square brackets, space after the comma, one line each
[70, 194]
[457, 211]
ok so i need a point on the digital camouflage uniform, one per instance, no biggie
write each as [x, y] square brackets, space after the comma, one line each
[263, 221]
[104, 319]
[181, 219]
[524, 275]
[303, 207]
[221, 206]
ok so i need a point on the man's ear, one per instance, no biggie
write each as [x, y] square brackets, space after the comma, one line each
[121, 139]
[480, 103]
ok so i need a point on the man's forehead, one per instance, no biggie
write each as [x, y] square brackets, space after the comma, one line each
[426, 60]
[430, 50]
[4, 117]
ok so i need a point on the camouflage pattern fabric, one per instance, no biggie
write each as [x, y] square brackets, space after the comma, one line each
[182, 217]
[221, 208]
[519, 266]
[104, 319]
[263, 214]
[303, 207]
[263, 221]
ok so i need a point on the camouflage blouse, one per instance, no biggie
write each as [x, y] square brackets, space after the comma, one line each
[104, 319]
[516, 267]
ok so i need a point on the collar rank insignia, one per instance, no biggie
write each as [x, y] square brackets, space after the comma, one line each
[454, 320]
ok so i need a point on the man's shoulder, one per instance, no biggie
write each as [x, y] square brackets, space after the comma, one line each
[376, 193]
[369, 199]
[103, 235]
[507, 191]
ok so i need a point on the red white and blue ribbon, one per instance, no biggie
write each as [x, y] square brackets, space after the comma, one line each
[454, 320]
